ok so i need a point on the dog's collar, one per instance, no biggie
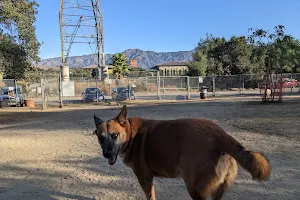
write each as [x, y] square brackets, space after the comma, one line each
[126, 147]
[127, 143]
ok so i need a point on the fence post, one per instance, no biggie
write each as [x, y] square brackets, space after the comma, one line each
[198, 83]
[129, 89]
[16, 86]
[60, 91]
[240, 85]
[158, 86]
[243, 88]
[181, 83]
[214, 85]
[43, 93]
[188, 88]
[291, 80]
[163, 84]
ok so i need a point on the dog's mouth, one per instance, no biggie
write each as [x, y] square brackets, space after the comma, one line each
[112, 159]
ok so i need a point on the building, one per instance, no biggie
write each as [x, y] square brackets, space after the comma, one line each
[133, 63]
[174, 68]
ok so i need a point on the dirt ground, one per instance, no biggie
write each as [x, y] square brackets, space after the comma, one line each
[53, 154]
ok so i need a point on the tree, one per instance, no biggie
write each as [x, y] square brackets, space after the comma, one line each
[13, 60]
[17, 18]
[18, 46]
[237, 55]
[258, 59]
[288, 51]
[214, 66]
[199, 64]
[207, 58]
[271, 41]
[80, 72]
[218, 56]
[119, 62]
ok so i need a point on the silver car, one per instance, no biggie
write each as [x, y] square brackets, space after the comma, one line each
[11, 96]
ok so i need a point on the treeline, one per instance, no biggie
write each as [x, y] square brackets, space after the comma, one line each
[256, 53]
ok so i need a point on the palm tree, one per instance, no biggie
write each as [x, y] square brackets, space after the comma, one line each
[119, 62]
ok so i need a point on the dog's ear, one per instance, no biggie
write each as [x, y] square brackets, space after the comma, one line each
[122, 117]
[97, 121]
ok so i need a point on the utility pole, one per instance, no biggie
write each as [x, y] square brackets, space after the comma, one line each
[62, 54]
[81, 24]
[100, 38]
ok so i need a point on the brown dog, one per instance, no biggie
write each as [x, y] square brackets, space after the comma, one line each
[197, 150]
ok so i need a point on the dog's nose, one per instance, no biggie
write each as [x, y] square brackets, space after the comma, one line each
[106, 154]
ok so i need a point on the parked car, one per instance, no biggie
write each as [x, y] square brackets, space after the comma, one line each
[290, 83]
[90, 95]
[12, 96]
[287, 83]
[122, 93]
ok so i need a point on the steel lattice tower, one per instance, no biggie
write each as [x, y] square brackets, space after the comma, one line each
[81, 23]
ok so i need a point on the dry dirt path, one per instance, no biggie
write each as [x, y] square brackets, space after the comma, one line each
[53, 155]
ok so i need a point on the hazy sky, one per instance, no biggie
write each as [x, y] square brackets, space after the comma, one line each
[169, 25]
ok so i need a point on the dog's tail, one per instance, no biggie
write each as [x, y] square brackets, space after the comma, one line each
[254, 162]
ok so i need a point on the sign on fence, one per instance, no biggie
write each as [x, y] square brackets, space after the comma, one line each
[68, 88]
[200, 79]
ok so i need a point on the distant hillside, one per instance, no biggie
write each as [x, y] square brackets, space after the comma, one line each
[146, 59]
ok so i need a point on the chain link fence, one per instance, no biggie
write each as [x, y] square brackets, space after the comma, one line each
[173, 87]
[41, 87]
[141, 85]
[32, 86]
[44, 88]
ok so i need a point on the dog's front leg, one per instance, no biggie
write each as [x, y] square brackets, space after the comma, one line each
[148, 187]
[146, 182]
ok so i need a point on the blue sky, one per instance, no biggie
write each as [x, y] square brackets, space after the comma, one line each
[169, 25]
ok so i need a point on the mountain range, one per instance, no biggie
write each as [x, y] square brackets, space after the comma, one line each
[145, 59]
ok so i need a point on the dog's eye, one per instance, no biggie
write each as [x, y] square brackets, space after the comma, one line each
[114, 136]
[101, 138]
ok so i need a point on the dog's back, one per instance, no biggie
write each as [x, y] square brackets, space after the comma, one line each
[167, 142]
[199, 151]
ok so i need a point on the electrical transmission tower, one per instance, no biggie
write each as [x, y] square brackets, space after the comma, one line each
[81, 23]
